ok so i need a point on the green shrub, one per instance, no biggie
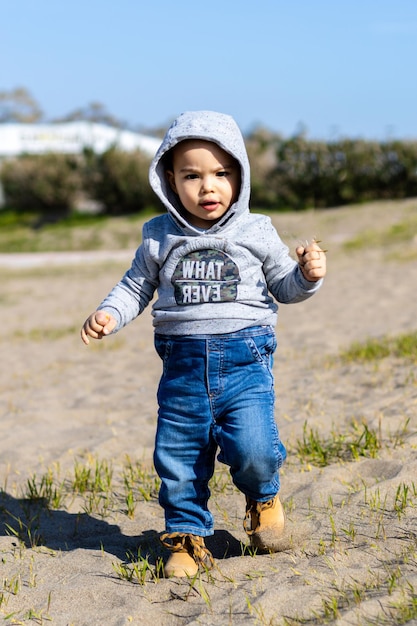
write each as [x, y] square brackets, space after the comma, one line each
[46, 183]
[297, 173]
[119, 181]
[293, 173]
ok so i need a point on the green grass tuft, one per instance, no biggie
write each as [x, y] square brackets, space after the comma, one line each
[361, 441]
[403, 346]
[402, 232]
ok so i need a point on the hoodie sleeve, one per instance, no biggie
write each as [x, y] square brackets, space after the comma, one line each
[135, 290]
[283, 275]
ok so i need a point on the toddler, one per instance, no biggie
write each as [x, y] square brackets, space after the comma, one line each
[219, 272]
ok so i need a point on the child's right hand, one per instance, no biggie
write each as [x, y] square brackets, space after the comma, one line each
[97, 326]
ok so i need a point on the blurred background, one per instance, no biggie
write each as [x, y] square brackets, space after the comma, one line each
[325, 94]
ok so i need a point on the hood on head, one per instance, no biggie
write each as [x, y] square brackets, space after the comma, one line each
[209, 126]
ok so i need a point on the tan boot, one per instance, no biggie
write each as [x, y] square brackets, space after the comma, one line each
[264, 523]
[188, 553]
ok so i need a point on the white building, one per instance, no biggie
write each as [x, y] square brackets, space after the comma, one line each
[70, 138]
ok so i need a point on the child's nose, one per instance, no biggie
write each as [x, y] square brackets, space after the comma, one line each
[207, 184]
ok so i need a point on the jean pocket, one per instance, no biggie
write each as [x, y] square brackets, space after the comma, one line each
[163, 347]
[262, 348]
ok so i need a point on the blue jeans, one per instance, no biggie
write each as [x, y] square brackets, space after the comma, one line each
[216, 392]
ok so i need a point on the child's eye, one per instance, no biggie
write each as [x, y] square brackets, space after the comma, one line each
[222, 173]
[191, 176]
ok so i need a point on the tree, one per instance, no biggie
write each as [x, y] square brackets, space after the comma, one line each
[18, 105]
[93, 112]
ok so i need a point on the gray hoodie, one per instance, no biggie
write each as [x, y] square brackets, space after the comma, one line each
[224, 279]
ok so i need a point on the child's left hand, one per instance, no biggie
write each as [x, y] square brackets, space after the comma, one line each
[312, 261]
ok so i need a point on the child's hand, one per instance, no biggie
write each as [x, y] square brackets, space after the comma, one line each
[312, 261]
[97, 326]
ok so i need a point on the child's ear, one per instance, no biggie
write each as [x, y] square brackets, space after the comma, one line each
[171, 180]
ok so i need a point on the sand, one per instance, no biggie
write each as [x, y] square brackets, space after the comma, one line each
[349, 556]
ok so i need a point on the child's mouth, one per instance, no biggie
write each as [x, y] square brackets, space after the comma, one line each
[209, 206]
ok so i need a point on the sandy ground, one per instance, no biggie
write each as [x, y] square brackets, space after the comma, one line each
[350, 553]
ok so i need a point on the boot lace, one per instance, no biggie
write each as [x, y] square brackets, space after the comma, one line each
[254, 509]
[193, 544]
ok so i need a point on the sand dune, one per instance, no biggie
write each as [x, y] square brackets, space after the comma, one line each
[349, 556]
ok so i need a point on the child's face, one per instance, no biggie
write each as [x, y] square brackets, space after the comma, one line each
[206, 179]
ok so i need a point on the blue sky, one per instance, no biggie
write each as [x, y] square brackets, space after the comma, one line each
[336, 68]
